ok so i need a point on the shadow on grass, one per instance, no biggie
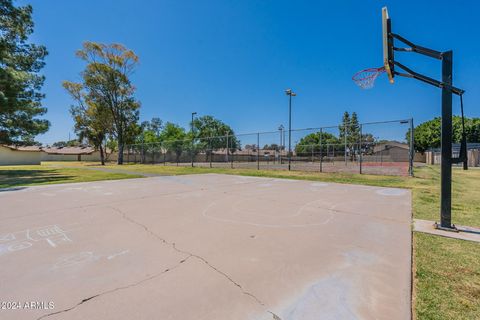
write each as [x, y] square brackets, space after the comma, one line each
[3, 189]
[15, 178]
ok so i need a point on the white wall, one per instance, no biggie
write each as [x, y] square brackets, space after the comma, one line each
[94, 156]
[58, 157]
[16, 157]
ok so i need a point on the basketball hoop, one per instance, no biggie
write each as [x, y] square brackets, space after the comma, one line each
[365, 79]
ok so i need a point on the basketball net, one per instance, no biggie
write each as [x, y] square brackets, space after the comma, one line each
[365, 79]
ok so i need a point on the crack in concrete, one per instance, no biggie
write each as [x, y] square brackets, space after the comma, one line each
[117, 289]
[190, 254]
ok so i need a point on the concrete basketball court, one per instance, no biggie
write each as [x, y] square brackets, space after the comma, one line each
[206, 247]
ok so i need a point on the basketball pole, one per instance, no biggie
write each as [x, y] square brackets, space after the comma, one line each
[412, 148]
[446, 123]
[446, 143]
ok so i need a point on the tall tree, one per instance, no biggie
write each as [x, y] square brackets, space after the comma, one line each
[106, 79]
[150, 131]
[311, 142]
[149, 137]
[353, 130]
[173, 139]
[93, 121]
[69, 143]
[344, 127]
[427, 135]
[349, 132]
[20, 81]
[214, 134]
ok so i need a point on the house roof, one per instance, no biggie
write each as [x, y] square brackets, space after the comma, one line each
[391, 144]
[23, 148]
[54, 150]
[69, 150]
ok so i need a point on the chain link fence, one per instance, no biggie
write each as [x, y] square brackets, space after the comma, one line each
[384, 148]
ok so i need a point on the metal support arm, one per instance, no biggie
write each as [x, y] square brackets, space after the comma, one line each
[415, 48]
[412, 74]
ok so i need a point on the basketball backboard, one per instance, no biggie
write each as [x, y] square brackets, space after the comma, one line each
[387, 44]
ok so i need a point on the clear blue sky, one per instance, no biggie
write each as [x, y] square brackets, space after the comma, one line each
[233, 59]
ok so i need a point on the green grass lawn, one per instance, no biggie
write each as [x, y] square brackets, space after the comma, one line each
[15, 176]
[446, 271]
[447, 278]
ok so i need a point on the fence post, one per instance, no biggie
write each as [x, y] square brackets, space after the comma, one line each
[233, 154]
[162, 148]
[211, 150]
[227, 150]
[280, 147]
[192, 146]
[412, 150]
[258, 151]
[360, 150]
[321, 158]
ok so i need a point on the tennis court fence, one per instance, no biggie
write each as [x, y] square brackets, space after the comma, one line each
[372, 148]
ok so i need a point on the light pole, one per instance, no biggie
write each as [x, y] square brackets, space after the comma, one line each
[290, 94]
[193, 136]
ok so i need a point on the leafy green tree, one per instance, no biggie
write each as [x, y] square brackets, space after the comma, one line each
[150, 131]
[427, 135]
[110, 145]
[349, 133]
[312, 142]
[353, 130]
[368, 142]
[93, 121]
[211, 133]
[472, 129]
[106, 80]
[344, 127]
[69, 143]
[148, 139]
[174, 139]
[350, 128]
[20, 81]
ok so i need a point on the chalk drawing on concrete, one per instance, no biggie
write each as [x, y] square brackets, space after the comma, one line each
[74, 259]
[114, 255]
[54, 235]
